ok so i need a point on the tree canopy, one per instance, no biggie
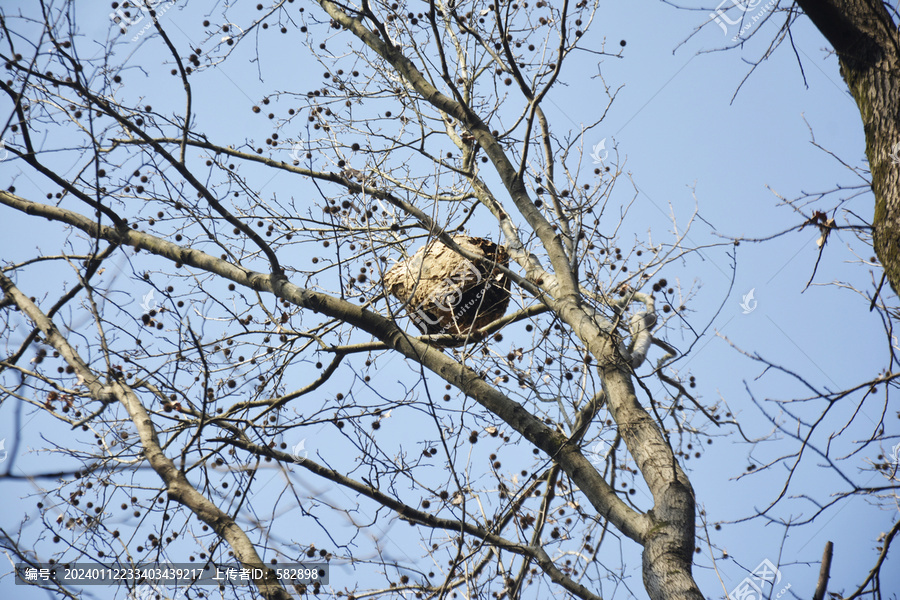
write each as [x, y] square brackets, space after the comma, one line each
[370, 288]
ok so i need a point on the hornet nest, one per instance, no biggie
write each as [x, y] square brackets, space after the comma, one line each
[445, 292]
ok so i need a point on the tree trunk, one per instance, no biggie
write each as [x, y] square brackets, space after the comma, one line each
[867, 43]
[669, 540]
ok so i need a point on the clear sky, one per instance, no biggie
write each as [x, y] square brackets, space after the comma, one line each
[688, 144]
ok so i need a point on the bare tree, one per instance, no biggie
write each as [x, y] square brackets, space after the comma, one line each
[265, 316]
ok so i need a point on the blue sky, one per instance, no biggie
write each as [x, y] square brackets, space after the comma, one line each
[687, 147]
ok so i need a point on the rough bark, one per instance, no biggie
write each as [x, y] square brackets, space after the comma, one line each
[867, 44]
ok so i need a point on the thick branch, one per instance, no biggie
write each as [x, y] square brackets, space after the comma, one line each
[601, 495]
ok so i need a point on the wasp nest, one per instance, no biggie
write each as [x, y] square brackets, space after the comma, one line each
[447, 293]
